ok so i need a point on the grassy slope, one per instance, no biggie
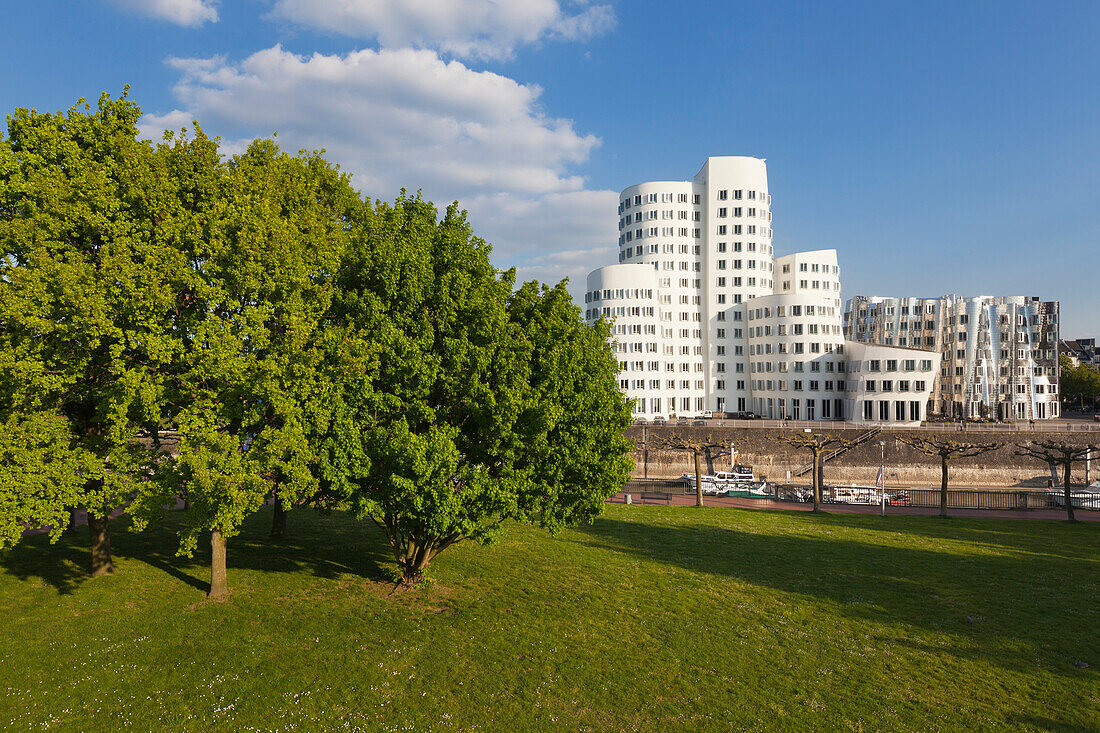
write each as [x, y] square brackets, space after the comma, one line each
[652, 619]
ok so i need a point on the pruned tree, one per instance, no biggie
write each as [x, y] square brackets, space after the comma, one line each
[698, 447]
[818, 444]
[946, 450]
[1057, 453]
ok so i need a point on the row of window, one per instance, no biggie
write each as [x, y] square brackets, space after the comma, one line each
[684, 402]
[1004, 371]
[655, 214]
[749, 247]
[653, 232]
[736, 265]
[887, 385]
[796, 329]
[723, 230]
[830, 409]
[620, 311]
[812, 385]
[903, 410]
[798, 347]
[876, 311]
[655, 366]
[907, 365]
[795, 311]
[618, 294]
[738, 211]
[811, 285]
[642, 384]
[799, 366]
[724, 195]
[813, 267]
[638, 329]
[653, 198]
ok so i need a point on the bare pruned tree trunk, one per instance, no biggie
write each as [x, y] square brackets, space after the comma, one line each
[1053, 452]
[1065, 490]
[819, 480]
[219, 585]
[100, 533]
[698, 481]
[943, 486]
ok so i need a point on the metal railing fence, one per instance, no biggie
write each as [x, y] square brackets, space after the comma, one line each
[662, 491]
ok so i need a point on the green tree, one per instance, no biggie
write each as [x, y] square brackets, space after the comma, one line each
[249, 385]
[1079, 384]
[464, 404]
[89, 272]
[41, 475]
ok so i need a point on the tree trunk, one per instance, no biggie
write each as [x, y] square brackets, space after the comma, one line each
[417, 556]
[218, 584]
[943, 486]
[72, 520]
[100, 533]
[698, 481]
[278, 521]
[1065, 491]
[817, 481]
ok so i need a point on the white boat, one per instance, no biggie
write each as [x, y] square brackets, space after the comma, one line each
[722, 481]
[856, 495]
[1080, 498]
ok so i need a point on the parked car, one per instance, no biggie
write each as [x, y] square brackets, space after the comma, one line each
[658, 420]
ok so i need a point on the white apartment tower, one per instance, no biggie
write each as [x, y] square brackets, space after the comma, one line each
[705, 317]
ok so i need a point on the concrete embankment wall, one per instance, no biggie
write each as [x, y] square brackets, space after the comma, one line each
[905, 466]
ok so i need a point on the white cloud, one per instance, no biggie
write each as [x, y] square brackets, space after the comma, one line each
[487, 29]
[188, 13]
[407, 118]
[552, 236]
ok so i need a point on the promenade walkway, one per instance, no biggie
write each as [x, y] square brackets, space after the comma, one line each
[744, 503]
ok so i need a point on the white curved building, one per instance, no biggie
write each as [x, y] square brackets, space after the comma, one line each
[706, 318]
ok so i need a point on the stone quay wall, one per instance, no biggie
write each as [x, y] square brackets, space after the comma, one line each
[905, 466]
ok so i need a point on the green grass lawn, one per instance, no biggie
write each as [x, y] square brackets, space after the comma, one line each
[652, 619]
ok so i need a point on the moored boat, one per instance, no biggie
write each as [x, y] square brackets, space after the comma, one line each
[1080, 498]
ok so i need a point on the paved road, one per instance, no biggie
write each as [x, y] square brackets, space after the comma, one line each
[744, 503]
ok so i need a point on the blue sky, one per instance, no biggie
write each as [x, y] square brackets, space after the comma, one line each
[939, 147]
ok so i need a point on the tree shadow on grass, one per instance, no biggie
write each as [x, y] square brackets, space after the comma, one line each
[1080, 540]
[995, 606]
[326, 546]
[63, 566]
